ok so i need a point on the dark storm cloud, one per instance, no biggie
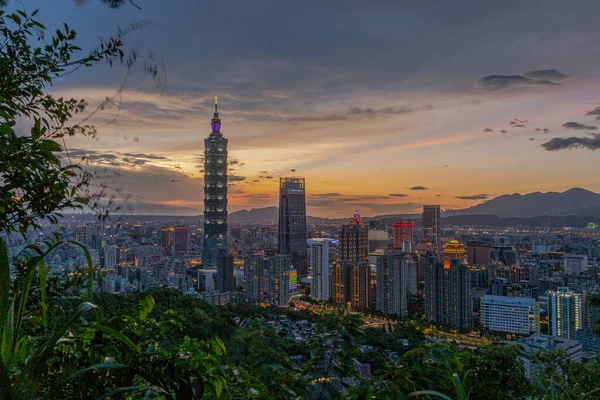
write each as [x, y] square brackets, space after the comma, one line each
[500, 82]
[418, 188]
[578, 126]
[482, 196]
[398, 195]
[503, 131]
[488, 130]
[591, 143]
[595, 112]
[546, 74]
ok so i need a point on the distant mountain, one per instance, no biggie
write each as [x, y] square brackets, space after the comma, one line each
[573, 202]
[266, 214]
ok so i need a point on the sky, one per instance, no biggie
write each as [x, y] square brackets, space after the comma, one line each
[382, 106]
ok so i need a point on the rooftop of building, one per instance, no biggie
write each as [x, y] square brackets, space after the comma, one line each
[536, 343]
[517, 301]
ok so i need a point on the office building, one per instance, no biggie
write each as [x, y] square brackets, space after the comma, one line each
[292, 222]
[448, 290]
[575, 263]
[343, 281]
[431, 220]
[361, 285]
[181, 239]
[279, 280]
[319, 264]
[565, 312]
[403, 234]
[352, 283]
[510, 315]
[478, 253]
[395, 280]
[215, 192]
[166, 238]
[225, 274]
[505, 255]
[378, 240]
[354, 241]
[254, 266]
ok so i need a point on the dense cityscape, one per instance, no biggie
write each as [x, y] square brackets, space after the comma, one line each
[471, 284]
[386, 201]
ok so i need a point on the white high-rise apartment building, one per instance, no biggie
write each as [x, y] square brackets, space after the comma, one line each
[515, 315]
[565, 312]
[319, 263]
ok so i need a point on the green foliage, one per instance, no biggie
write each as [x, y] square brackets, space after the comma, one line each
[35, 184]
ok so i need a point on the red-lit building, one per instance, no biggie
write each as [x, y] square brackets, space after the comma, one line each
[180, 240]
[403, 232]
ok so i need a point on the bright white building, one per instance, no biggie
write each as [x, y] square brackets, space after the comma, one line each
[516, 315]
[319, 263]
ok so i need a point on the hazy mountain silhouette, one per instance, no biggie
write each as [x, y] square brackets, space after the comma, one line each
[574, 201]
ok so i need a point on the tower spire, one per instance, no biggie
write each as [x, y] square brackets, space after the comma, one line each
[216, 121]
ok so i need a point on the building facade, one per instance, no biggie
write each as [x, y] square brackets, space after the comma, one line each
[393, 282]
[181, 240]
[319, 263]
[354, 241]
[403, 232]
[510, 315]
[448, 291]
[279, 280]
[254, 266]
[225, 274]
[215, 192]
[565, 312]
[431, 221]
[292, 222]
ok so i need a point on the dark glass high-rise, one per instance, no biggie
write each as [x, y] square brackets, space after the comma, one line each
[292, 222]
[215, 192]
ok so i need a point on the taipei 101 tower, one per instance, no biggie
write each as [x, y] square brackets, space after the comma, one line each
[215, 192]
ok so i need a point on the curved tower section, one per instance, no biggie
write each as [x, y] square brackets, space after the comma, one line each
[215, 192]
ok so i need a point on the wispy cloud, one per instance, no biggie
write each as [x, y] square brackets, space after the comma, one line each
[481, 196]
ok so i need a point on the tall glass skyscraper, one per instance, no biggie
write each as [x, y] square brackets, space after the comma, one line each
[215, 192]
[431, 219]
[292, 222]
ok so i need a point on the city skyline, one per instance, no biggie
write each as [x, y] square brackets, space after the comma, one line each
[393, 99]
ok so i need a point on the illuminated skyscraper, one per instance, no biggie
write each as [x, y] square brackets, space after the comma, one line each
[431, 219]
[279, 280]
[454, 250]
[292, 222]
[215, 192]
[565, 315]
[403, 232]
[396, 280]
[354, 241]
[448, 289]
[319, 263]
